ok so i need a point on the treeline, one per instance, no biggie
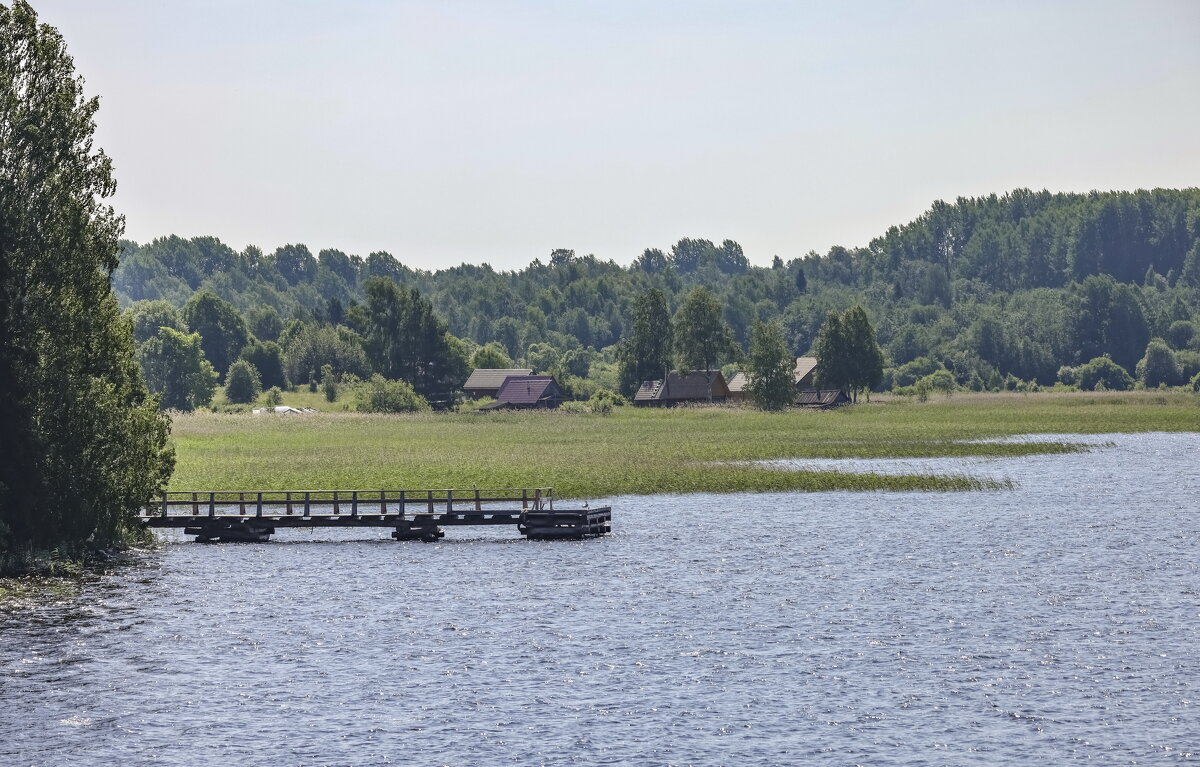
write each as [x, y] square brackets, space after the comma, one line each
[1002, 291]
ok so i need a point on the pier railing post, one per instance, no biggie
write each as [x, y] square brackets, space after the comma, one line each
[430, 498]
[212, 504]
[164, 504]
[258, 509]
[402, 504]
[449, 501]
[195, 504]
[477, 506]
[307, 503]
[382, 503]
[354, 503]
[524, 499]
[289, 502]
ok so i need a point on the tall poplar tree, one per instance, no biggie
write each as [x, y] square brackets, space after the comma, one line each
[83, 445]
[848, 354]
[645, 354]
[701, 336]
[771, 367]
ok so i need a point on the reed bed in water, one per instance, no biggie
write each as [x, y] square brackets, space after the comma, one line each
[637, 451]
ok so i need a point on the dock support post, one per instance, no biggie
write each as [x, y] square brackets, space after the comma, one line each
[258, 509]
[212, 504]
[354, 503]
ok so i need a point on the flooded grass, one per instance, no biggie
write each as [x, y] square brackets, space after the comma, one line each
[639, 451]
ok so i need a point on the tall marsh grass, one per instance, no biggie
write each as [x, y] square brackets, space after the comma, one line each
[637, 451]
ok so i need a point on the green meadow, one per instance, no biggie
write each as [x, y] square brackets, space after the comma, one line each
[636, 451]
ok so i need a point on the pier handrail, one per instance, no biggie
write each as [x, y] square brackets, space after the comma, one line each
[432, 501]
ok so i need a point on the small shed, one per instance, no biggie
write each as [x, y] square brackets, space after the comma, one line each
[486, 382]
[739, 387]
[823, 398]
[803, 373]
[682, 387]
[527, 392]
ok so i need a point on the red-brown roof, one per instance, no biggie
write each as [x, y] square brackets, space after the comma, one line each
[528, 390]
[682, 387]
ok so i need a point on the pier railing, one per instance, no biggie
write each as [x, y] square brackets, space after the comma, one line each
[352, 503]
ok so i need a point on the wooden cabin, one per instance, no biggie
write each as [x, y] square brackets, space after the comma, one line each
[803, 373]
[486, 382]
[678, 388]
[739, 387]
[527, 392]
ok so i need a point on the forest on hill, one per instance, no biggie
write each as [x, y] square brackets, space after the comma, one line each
[1000, 292]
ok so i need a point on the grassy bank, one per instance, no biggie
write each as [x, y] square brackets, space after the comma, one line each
[638, 451]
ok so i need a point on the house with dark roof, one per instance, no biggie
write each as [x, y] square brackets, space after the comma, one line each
[486, 382]
[677, 388]
[527, 392]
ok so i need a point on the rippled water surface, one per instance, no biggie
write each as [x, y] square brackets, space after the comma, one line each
[1056, 622]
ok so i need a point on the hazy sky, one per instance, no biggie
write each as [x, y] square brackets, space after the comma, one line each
[447, 132]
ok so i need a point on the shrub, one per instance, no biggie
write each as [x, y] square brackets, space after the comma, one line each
[274, 397]
[329, 383]
[1196, 382]
[1102, 374]
[242, 384]
[603, 402]
[573, 407]
[940, 380]
[911, 372]
[1158, 366]
[380, 395]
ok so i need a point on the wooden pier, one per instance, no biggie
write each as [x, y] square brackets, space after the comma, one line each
[416, 515]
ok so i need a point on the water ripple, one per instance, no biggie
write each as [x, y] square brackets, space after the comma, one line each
[1051, 623]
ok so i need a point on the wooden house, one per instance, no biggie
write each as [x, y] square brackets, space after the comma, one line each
[803, 373]
[527, 392]
[682, 387]
[486, 382]
[739, 387]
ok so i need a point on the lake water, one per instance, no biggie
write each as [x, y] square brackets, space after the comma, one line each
[1053, 623]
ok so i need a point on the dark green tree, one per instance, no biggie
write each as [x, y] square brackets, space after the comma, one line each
[770, 367]
[242, 384]
[1103, 373]
[222, 330]
[866, 358]
[176, 370]
[848, 354]
[1158, 366]
[82, 445]
[148, 316]
[267, 359]
[406, 340]
[702, 338]
[646, 353]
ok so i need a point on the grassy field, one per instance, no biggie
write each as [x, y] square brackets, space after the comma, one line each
[637, 451]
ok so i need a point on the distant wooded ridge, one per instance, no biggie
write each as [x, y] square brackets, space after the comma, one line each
[992, 289]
